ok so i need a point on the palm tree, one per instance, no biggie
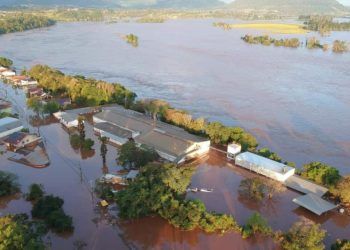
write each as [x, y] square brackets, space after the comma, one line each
[103, 149]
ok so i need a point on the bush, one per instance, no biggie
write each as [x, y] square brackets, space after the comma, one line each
[8, 184]
[342, 190]
[304, 235]
[341, 245]
[321, 173]
[46, 205]
[87, 144]
[75, 141]
[36, 192]
[252, 188]
[17, 232]
[49, 208]
[256, 224]
[59, 221]
[51, 107]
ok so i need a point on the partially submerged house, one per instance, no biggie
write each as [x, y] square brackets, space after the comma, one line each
[171, 143]
[9, 125]
[264, 166]
[27, 82]
[5, 106]
[20, 140]
[67, 119]
[8, 73]
[35, 92]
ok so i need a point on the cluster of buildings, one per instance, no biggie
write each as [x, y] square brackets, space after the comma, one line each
[312, 193]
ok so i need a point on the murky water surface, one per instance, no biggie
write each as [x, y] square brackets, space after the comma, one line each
[296, 101]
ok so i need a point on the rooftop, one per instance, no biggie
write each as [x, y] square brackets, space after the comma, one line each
[113, 129]
[305, 186]
[68, 117]
[15, 137]
[266, 163]
[314, 203]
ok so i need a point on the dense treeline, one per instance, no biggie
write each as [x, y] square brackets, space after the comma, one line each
[267, 41]
[160, 190]
[324, 24]
[82, 91]
[21, 22]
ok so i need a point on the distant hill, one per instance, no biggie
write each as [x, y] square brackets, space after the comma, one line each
[291, 6]
[116, 3]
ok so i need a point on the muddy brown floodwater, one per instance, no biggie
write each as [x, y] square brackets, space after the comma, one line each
[72, 174]
[295, 101]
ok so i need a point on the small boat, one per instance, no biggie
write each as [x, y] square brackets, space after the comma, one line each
[206, 190]
[194, 190]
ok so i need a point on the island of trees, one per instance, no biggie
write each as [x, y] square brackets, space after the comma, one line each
[310, 43]
[324, 24]
[132, 39]
[20, 22]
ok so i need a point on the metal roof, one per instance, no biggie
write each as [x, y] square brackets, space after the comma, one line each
[314, 203]
[305, 186]
[266, 163]
[9, 123]
[114, 130]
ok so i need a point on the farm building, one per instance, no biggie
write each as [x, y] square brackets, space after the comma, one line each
[171, 143]
[9, 125]
[264, 166]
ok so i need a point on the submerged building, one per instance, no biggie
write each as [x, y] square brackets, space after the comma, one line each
[9, 125]
[264, 166]
[171, 143]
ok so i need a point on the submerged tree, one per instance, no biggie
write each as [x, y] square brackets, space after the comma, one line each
[103, 149]
[81, 128]
[8, 184]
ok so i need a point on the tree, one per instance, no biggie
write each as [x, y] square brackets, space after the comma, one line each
[51, 107]
[103, 149]
[252, 188]
[256, 224]
[321, 173]
[131, 156]
[17, 233]
[59, 221]
[342, 190]
[81, 128]
[36, 192]
[8, 184]
[340, 46]
[341, 245]
[35, 104]
[304, 235]
[273, 187]
[4, 62]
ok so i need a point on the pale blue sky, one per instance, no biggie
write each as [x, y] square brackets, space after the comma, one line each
[345, 2]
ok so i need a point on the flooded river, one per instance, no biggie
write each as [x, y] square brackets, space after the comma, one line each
[296, 101]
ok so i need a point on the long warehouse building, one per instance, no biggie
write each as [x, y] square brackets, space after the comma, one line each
[171, 143]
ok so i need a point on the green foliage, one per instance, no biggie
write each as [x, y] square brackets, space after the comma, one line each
[59, 221]
[303, 235]
[36, 192]
[131, 156]
[219, 133]
[8, 184]
[7, 114]
[341, 245]
[103, 191]
[51, 107]
[256, 224]
[5, 62]
[35, 104]
[324, 24]
[25, 130]
[17, 233]
[49, 208]
[159, 189]
[132, 39]
[313, 43]
[267, 41]
[252, 188]
[82, 91]
[321, 173]
[81, 128]
[342, 190]
[76, 142]
[265, 152]
[21, 22]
